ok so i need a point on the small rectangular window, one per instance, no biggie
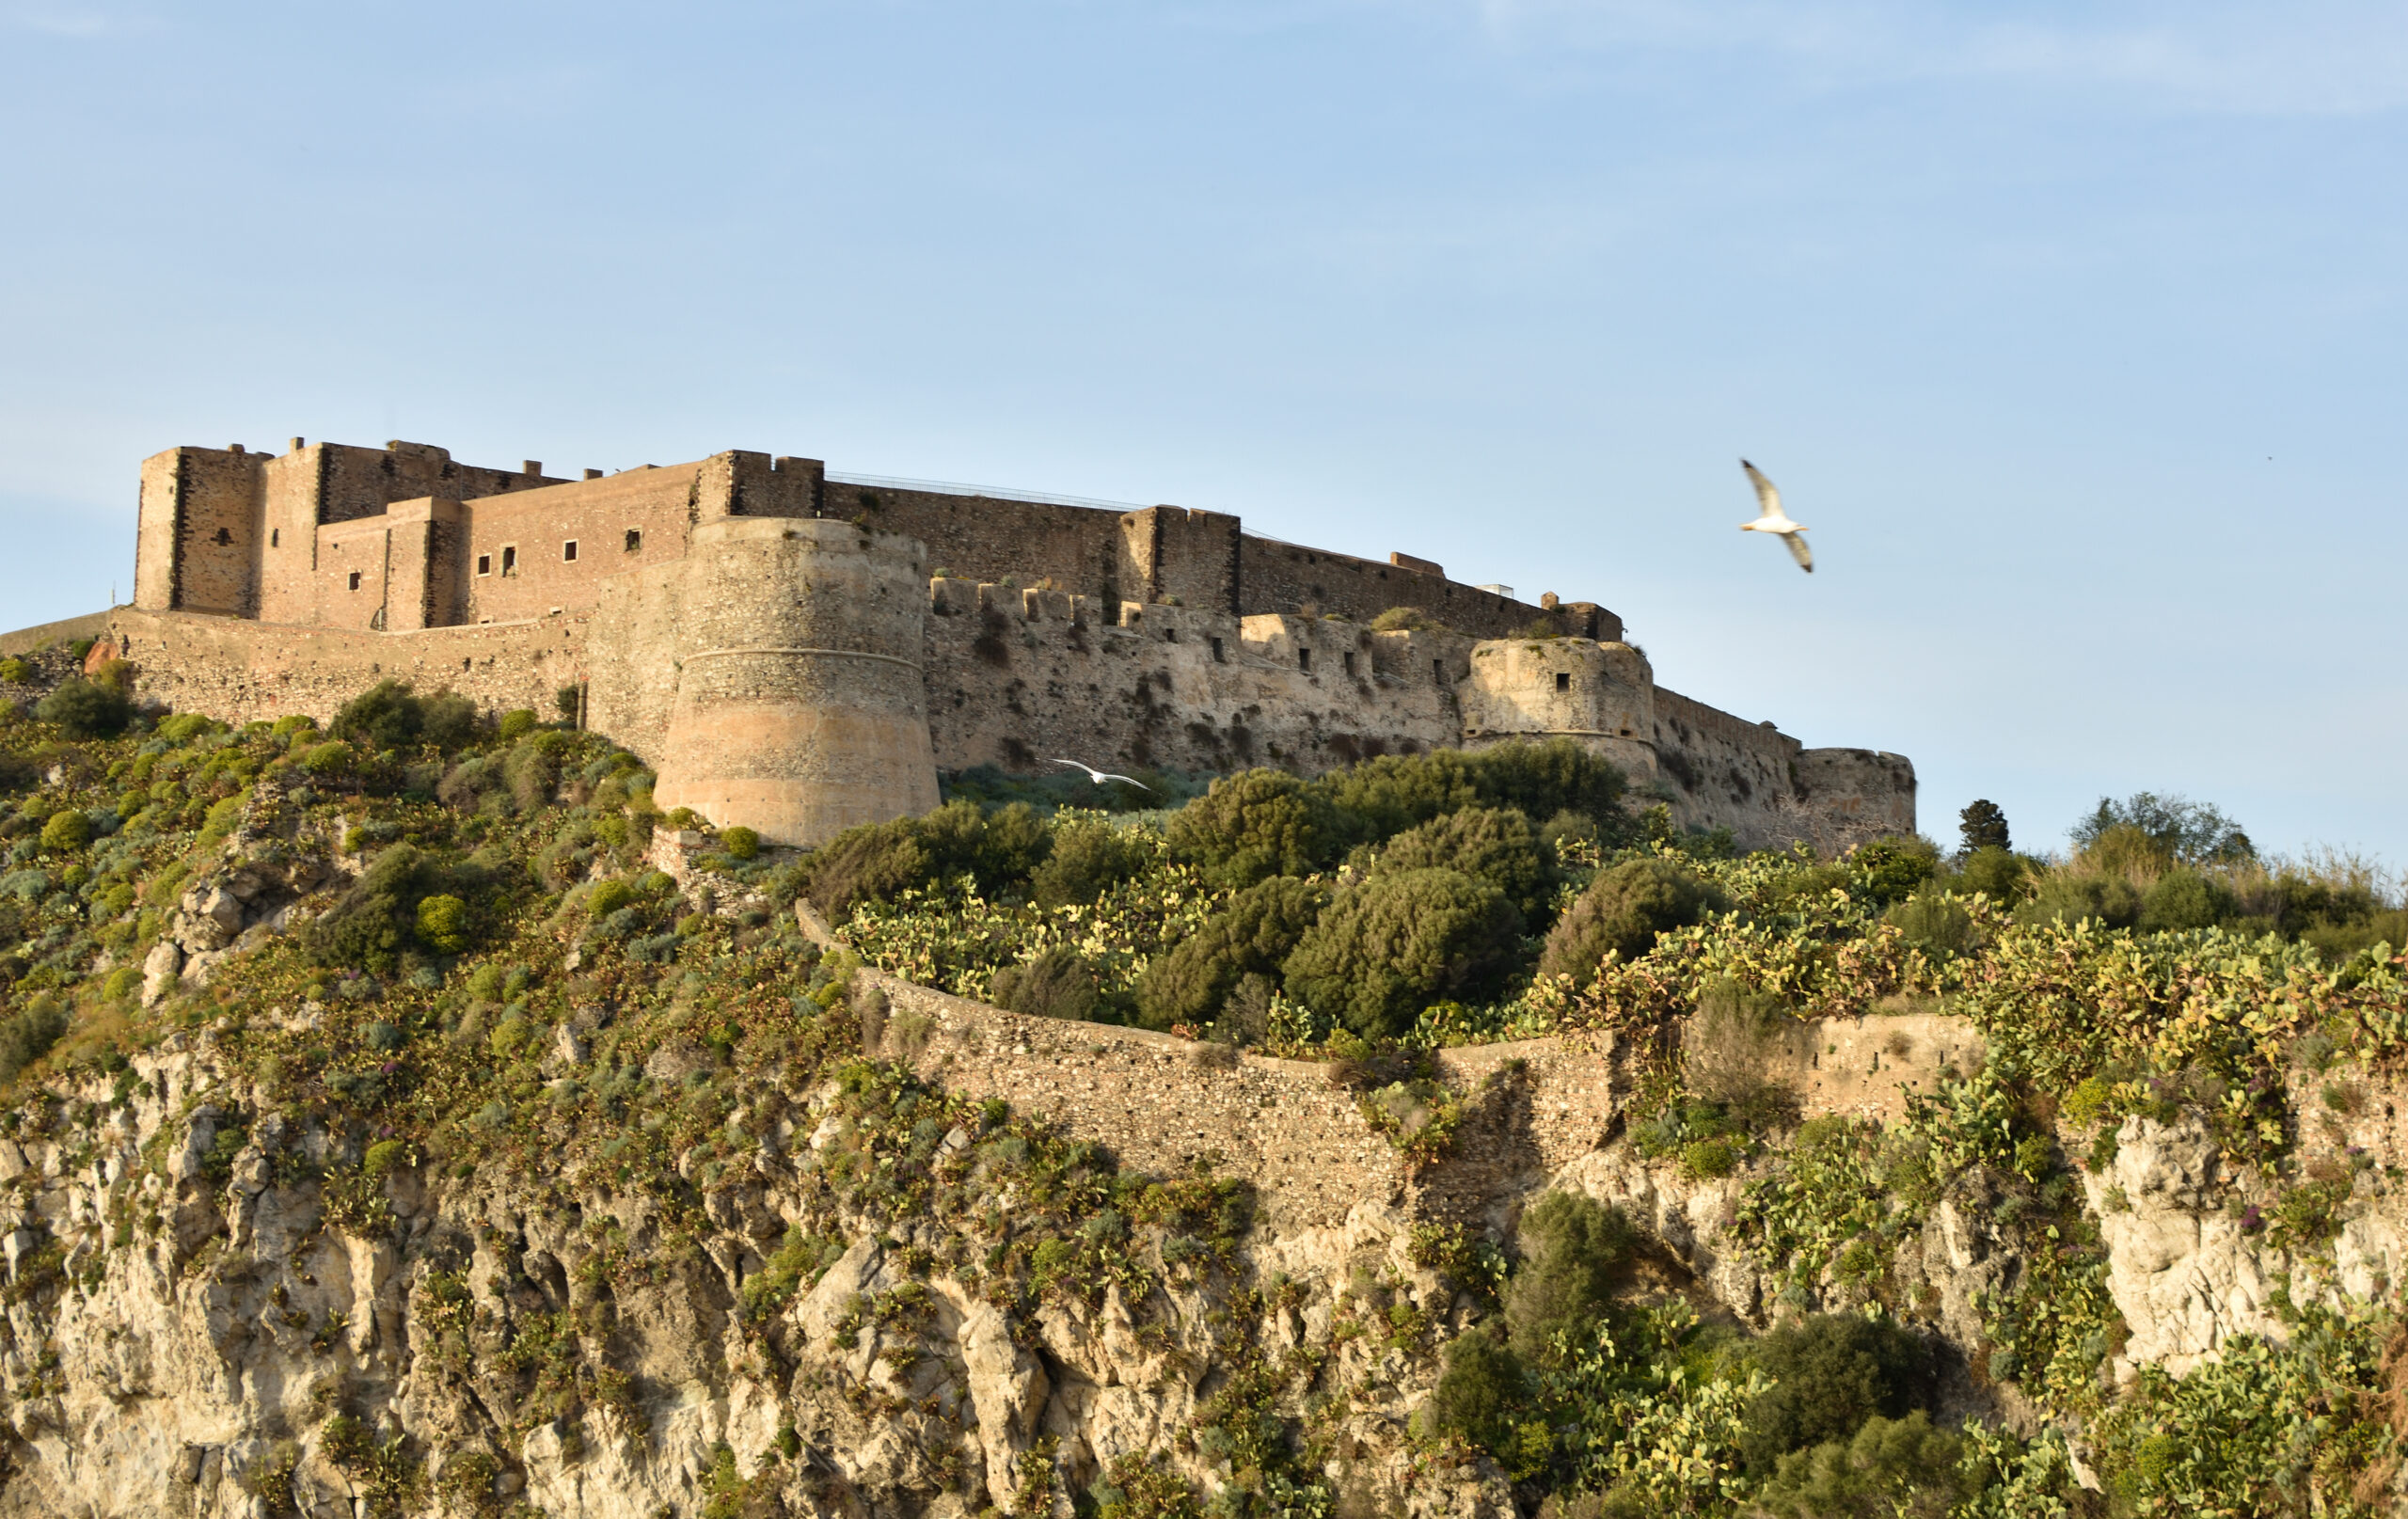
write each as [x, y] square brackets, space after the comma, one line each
[1438, 671]
[354, 579]
[1304, 658]
[1563, 680]
[1217, 657]
[1348, 660]
[568, 553]
[510, 558]
[484, 563]
[273, 534]
[635, 539]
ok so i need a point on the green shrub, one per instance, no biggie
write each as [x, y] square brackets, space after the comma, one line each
[606, 897]
[390, 715]
[67, 833]
[1889, 870]
[1548, 777]
[878, 860]
[374, 920]
[1256, 824]
[1573, 1248]
[1624, 909]
[1493, 844]
[1482, 1391]
[1257, 930]
[15, 671]
[1057, 983]
[185, 727]
[2069, 896]
[1935, 922]
[1999, 874]
[517, 723]
[1831, 1372]
[83, 709]
[1893, 1469]
[443, 924]
[2183, 898]
[740, 843]
[331, 758]
[27, 1035]
[1381, 798]
[1392, 944]
[1088, 859]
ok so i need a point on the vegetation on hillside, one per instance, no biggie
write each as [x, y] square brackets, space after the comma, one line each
[498, 985]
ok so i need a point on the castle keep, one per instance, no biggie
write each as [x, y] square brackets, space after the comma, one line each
[799, 653]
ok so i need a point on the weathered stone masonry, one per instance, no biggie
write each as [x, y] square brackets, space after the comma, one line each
[800, 654]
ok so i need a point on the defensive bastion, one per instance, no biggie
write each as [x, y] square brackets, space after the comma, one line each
[799, 653]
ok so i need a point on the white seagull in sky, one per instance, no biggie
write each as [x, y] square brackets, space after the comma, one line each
[1775, 520]
[1100, 777]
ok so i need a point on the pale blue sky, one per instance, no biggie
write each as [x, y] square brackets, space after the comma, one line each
[2074, 332]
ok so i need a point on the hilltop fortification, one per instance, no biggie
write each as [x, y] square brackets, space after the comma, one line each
[799, 653]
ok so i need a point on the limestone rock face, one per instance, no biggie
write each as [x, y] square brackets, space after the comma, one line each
[2185, 1274]
[261, 1341]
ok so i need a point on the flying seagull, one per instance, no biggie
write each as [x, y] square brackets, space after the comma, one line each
[1775, 520]
[1100, 777]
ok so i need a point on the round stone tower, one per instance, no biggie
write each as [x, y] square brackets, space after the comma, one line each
[1600, 694]
[800, 709]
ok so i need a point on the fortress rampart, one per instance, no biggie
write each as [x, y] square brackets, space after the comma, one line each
[800, 654]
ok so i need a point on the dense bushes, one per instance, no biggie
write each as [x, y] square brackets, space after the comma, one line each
[1904, 1468]
[1087, 859]
[1496, 845]
[1573, 1246]
[1391, 946]
[390, 716]
[379, 918]
[1057, 984]
[1251, 936]
[1623, 910]
[882, 859]
[1830, 1373]
[86, 709]
[26, 1035]
[1256, 824]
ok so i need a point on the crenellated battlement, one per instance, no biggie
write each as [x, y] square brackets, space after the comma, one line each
[797, 654]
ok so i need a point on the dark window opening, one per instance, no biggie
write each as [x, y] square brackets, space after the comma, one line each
[510, 561]
[635, 539]
[1348, 660]
[223, 537]
[1170, 635]
[1304, 658]
[1438, 671]
[568, 553]
[1217, 657]
[1562, 680]
[354, 579]
[273, 536]
[484, 563]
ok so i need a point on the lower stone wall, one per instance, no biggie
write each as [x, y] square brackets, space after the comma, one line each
[239, 670]
[1532, 1106]
[66, 630]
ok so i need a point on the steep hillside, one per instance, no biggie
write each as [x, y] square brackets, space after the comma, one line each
[409, 1118]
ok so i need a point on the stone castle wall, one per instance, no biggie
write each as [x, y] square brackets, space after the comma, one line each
[798, 655]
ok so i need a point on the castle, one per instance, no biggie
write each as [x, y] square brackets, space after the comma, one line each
[799, 653]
